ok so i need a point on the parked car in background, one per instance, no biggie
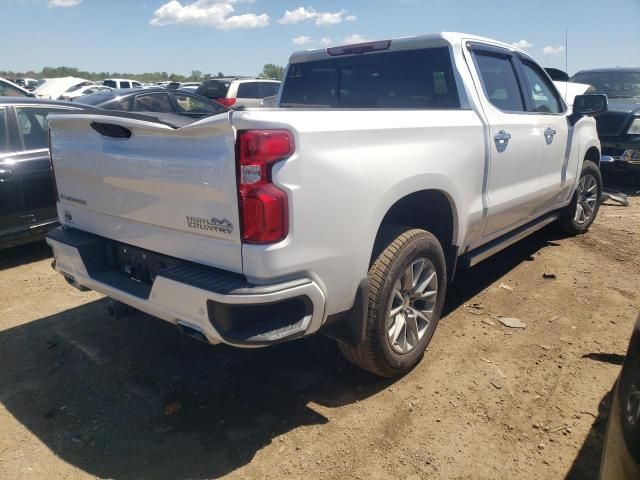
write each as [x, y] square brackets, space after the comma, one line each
[386, 166]
[119, 83]
[238, 92]
[619, 128]
[621, 455]
[27, 83]
[53, 88]
[157, 100]
[81, 90]
[27, 197]
[10, 89]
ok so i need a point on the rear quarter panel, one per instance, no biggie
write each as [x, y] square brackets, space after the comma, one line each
[348, 169]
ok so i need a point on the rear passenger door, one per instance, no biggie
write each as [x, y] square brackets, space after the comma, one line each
[513, 184]
[34, 165]
[12, 222]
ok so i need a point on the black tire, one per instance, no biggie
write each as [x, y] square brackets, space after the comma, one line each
[375, 353]
[567, 222]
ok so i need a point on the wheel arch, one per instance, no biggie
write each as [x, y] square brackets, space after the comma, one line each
[593, 154]
[441, 219]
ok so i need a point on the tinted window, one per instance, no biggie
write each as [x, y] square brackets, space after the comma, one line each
[213, 89]
[121, 104]
[542, 94]
[33, 125]
[7, 90]
[191, 104]
[421, 79]
[615, 84]
[4, 132]
[110, 83]
[249, 90]
[155, 102]
[499, 81]
[269, 89]
[125, 85]
[136, 84]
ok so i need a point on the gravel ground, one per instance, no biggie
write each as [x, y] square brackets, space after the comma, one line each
[83, 396]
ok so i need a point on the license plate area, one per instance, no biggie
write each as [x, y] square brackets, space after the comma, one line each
[135, 263]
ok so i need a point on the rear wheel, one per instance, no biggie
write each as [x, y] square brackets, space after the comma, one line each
[578, 216]
[407, 287]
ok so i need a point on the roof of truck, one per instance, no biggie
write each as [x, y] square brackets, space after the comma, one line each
[408, 43]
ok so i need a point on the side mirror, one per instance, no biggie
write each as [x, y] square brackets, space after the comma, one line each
[590, 104]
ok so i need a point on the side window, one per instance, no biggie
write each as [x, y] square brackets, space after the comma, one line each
[4, 132]
[136, 85]
[543, 96]
[155, 102]
[249, 90]
[269, 89]
[34, 127]
[120, 104]
[125, 85]
[191, 104]
[499, 81]
[7, 90]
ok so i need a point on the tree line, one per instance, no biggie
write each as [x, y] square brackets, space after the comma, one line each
[268, 71]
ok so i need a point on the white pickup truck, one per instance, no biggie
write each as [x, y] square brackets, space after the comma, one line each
[345, 210]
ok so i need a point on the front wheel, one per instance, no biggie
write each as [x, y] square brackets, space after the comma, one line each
[407, 288]
[578, 216]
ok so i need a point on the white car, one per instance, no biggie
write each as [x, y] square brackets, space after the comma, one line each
[238, 92]
[117, 83]
[53, 88]
[81, 90]
[346, 210]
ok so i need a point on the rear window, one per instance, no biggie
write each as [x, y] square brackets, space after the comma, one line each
[249, 90]
[213, 89]
[269, 89]
[420, 79]
[155, 102]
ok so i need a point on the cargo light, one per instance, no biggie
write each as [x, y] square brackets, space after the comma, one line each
[359, 48]
[264, 209]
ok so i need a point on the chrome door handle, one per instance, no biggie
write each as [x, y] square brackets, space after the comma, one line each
[549, 133]
[502, 140]
[5, 174]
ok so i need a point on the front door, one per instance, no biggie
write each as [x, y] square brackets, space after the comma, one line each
[549, 112]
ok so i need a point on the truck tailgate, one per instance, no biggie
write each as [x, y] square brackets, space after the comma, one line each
[147, 184]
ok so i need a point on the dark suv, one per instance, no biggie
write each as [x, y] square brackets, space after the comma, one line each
[619, 127]
[27, 198]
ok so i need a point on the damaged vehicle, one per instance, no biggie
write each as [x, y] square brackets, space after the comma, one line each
[346, 210]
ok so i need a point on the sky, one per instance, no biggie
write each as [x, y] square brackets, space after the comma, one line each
[239, 36]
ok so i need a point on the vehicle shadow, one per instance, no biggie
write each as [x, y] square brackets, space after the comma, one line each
[586, 465]
[132, 399]
[470, 282]
[24, 254]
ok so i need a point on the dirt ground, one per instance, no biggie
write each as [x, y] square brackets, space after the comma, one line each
[83, 396]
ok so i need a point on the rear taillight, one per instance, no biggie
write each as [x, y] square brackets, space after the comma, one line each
[264, 207]
[227, 102]
[53, 172]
